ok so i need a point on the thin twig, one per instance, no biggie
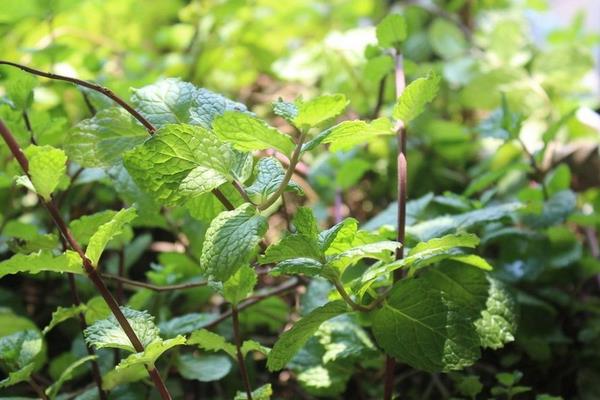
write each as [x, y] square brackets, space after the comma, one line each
[101, 89]
[238, 346]
[150, 286]
[88, 267]
[28, 126]
[355, 306]
[380, 95]
[240, 189]
[288, 175]
[38, 389]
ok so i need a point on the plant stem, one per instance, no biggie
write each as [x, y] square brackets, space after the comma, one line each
[240, 189]
[238, 345]
[150, 286]
[219, 195]
[288, 175]
[38, 389]
[28, 126]
[538, 171]
[355, 306]
[88, 267]
[101, 89]
[380, 95]
[390, 363]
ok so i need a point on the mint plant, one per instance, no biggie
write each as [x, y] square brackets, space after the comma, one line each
[248, 281]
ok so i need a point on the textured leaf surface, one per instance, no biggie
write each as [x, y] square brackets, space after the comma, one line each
[165, 102]
[291, 341]
[348, 134]
[415, 97]
[47, 166]
[231, 241]
[378, 251]
[247, 133]
[18, 354]
[428, 322]
[318, 110]
[498, 323]
[292, 246]
[240, 285]
[294, 266]
[286, 110]
[391, 31]
[179, 161]
[106, 232]
[185, 324]
[262, 393]
[207, 105]
[101, 141]
[269, 176]
[108, 333]
[41, 261]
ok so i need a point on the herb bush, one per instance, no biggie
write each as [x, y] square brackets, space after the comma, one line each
[407, 209]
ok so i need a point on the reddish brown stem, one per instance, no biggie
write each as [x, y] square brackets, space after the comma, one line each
[101, 89]
[390, 363]
[240, 356]
[88, 267]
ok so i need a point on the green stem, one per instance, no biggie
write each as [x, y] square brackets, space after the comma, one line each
[240, 356]
[288, 175]
[355, 306]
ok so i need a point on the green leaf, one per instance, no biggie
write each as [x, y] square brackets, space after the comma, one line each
[318, 110]
[231, 241]
[286, 110]
[47, 166]
[295, 266]
[291, 341]
[291, 246]
[96, 309]
[179, 161]
[151, 352]
[62, 314]
[185, 324]
[208, 105]
[240, 285]
[343, 339]
[391, 31]
[248, 133]
[116, 377]
[305, 222]
[269, 176]
[498, 323]
[41, 261]
[436, 311]
[86, 226]
[377, 251]
[19, 354]
[262, 393]
[100, 141]
[211, 341]
[165, 102]
[415, 97]
[203, 368]
[19, 90]
[446, 39]
[67, 374]
[108, 333]
[339, 237]
[108, 231]
[252, 345]
[348, 134]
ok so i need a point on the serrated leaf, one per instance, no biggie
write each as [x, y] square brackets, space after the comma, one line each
[240, 285]
[339, 237]
[343, 339]
[62, 314]
[383, 250]
[47, 166]
[114, 377]
[100, 141]
[291, 341]
[84, 227]
[167, 101]
[248, 133]
[211, 341]
[185, 324]
[96, 309]
[428, 322]
[203, 368]
[318, 110]
[151, 353]
[108, 333]
[231, 241]
[252, 345]
[285, 109]
[19, 353]
[67, 374]
[348, 134]
[498, 323]
[415, 97]
[269, 176]
[108, 231]
[40, 261]
[179, 161]
[391, 31]
[291, 246]
[305, 222]
[262, 393]
[207, 105]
